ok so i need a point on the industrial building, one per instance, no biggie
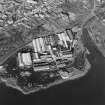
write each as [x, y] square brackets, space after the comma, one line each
[48, 50]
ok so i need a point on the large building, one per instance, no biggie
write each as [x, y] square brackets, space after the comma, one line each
[46, 50]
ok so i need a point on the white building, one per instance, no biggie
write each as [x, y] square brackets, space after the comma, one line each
[26, 59]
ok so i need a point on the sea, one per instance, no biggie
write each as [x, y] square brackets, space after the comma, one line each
[87, 90]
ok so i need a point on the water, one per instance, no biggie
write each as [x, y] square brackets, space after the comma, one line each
[88, 90]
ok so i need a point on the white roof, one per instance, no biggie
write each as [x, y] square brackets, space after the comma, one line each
[26, 57]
